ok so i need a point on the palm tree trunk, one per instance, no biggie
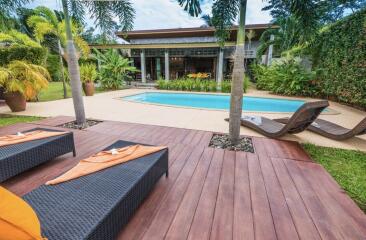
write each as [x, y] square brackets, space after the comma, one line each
[62, 69]
[236, 100]
[74, 72]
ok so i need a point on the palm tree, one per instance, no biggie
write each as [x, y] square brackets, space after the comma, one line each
[250, 35]
[288, 34]
[236, 99]
[45, 22]
[103, 12]
[224, 14]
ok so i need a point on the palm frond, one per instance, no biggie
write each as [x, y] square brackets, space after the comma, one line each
[191, 6]
[224, 14]
[14, 37]
[48, 14]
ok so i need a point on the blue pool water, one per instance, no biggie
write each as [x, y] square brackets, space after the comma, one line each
[213, 101]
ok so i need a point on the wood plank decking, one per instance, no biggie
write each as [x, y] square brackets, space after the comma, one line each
[276, 193]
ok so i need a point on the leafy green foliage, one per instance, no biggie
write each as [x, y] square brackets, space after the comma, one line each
[224, 14]
[88, 73]
[23, 77]
[53, 67]
[15, 38]
[339, 54]
[45, 22]
[36, 55]
[348, 168]
[104, 13]
[287, 34]
[114, 69]
[286, 76]
[196, 85]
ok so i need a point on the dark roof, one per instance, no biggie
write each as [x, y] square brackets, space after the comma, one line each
[185, 32]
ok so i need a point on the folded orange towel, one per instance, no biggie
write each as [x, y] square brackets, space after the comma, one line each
[104, 160]
[28, 136]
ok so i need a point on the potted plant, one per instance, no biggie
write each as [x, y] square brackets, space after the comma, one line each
[22, 81]
[88, 74]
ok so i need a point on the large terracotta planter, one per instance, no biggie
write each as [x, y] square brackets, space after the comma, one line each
[16, 101]
[88, 88]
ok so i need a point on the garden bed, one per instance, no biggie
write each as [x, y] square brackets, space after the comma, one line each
[222, 141]
[74, 125]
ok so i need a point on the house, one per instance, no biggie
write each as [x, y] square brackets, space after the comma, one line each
[174, 53]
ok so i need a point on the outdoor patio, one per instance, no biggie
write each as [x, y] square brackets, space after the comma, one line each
[276, 193]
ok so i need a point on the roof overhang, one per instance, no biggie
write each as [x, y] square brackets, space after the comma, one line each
[160, 46]
[187, 32]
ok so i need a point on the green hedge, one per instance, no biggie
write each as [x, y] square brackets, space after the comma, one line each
[197, 85]
[53, 67]
[339, 55]
[33, 55]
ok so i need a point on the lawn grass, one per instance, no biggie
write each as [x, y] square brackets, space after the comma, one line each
[55, 92]
[348, 168]
[12, 119]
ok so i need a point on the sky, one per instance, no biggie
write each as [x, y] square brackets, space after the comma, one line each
[158, 14]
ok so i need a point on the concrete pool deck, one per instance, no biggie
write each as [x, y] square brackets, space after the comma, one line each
[109, 106]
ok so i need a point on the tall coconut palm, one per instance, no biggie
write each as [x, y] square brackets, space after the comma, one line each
[250, 35]
[224, 12]
[103, 12]
[46, 22]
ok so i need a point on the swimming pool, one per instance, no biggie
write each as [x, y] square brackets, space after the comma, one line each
[216, 101]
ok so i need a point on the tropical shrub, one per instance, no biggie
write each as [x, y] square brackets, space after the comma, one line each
[25, 78]
[35, 55]
[88, 73]
[114, 70]
[339, 54]
[286, 76]
[196, 85]
[53, 67]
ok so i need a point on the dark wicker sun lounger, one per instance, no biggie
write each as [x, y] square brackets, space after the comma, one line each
[98, 205]
[332, 130]
[299, 121]
[17, 158]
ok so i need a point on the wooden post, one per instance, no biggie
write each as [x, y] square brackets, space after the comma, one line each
[167, 76]
[220, 69]
[143, 66]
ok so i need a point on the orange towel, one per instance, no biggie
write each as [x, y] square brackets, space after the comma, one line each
[104, 160]
[25, 137]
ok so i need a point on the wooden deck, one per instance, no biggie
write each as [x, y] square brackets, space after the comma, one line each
[276, 193]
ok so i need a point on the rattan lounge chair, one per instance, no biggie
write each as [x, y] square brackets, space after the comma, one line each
[299, 121]
[15, 159]
[98, 205]
[332, 130]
